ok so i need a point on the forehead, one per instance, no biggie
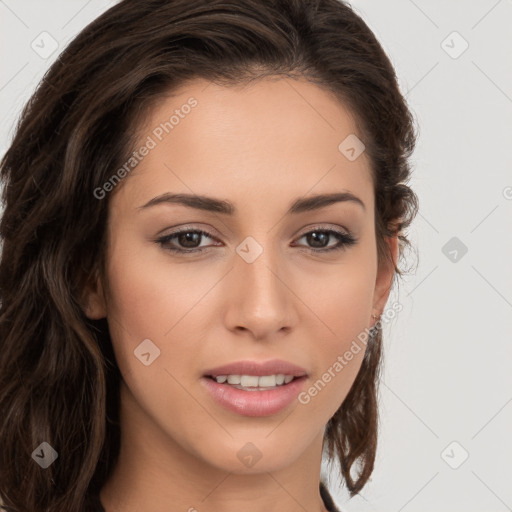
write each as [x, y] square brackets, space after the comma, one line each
[272, 138]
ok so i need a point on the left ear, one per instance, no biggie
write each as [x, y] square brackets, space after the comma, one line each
[93, 299]
[384, 278]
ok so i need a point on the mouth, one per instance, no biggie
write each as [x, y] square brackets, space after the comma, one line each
[255, 382]
[252, 388]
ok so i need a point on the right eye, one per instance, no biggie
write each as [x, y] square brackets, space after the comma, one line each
[187, 238]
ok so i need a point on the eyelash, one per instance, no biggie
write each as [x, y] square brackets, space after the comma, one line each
[345, 240]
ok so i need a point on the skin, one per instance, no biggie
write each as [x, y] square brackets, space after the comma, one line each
[260, 147]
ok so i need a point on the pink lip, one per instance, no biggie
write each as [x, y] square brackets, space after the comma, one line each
[248, 367]
[254, 403]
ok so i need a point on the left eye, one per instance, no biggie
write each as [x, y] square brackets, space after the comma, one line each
[189, 238]
[319, 236]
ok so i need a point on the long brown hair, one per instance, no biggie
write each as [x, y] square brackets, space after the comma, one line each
[58, 375]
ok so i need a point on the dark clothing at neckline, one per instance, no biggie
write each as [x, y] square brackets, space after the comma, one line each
[327, 499]
[94, 503]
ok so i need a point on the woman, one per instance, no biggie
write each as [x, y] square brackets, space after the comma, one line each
[205, 204]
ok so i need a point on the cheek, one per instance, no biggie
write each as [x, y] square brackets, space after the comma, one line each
[342, 299]
[338, 360]
[154, 298]
[152, 301]
[343, 304]
[149, 293]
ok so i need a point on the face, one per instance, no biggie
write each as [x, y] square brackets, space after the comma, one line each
[261, 274]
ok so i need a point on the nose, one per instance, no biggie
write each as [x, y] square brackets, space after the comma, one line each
[259, 295]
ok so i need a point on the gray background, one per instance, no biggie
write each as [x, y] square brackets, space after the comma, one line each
[446, 390]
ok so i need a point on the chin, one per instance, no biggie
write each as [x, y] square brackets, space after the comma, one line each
[245, 455]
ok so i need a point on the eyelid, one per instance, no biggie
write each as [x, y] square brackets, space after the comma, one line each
[324, 227]
[319, 227]
[187, 227]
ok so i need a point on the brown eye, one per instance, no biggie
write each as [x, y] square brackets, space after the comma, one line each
[186, 241]
[319, 239]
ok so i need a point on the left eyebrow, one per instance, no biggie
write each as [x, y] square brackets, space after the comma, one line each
[212, 204]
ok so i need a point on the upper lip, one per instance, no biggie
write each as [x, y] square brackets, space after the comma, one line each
[257, 368]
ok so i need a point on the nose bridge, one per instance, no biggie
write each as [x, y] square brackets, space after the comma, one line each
[256, 266]
[260, 301]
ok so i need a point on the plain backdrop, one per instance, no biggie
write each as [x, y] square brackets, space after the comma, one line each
[446, 391]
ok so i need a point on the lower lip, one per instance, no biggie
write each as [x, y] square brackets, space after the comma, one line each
[254, 403]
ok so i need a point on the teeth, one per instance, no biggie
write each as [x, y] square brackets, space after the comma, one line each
[254, 381]
[249, 381]
[233, 379]
[264, 381]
